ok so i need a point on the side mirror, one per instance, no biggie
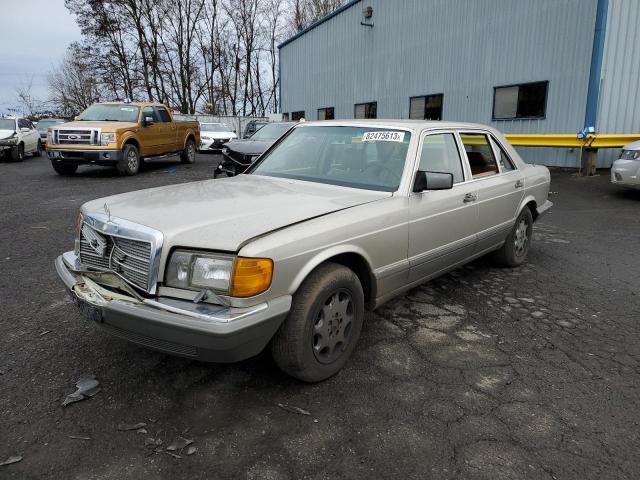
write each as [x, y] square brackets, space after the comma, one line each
[147, 121]
[432, 181]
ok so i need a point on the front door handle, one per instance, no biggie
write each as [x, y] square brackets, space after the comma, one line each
[519, 184]
[469, 197]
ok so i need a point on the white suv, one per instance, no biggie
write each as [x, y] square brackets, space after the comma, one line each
[18, 136]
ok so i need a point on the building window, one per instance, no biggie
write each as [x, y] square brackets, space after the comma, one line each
[528, 100]
[426, 107]
[285, 117]
[366, 110]
[295, 116]
[325, 113]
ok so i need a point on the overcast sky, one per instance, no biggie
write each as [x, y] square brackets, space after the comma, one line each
[34, 35]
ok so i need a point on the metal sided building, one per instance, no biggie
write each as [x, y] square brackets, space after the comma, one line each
[522, 66]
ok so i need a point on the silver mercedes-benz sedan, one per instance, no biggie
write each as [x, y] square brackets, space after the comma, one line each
[335, 218]
[625, 171]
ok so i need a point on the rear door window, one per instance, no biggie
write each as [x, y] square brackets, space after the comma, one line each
[505, 162]
[480, 155]
[164, 115]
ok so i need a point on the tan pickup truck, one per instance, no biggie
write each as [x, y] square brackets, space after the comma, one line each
[120, 135]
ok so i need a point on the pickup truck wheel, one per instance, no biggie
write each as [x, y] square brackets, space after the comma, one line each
[323, 325]
[17, 153]
[514, 251]
[188, 155]
[65, 169]
[129, 164]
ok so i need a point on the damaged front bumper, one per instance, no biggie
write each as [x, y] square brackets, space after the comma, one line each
[202, 331]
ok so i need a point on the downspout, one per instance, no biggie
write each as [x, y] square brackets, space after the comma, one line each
[597, 53]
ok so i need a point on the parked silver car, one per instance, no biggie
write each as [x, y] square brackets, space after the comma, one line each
[334, 218]
[625, 171]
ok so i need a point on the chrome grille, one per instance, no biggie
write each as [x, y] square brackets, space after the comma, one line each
[76, 137]
[129, 258]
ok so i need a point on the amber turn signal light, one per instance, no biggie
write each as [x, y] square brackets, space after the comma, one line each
[251, 276]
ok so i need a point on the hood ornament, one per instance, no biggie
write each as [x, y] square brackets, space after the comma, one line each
[107, 212]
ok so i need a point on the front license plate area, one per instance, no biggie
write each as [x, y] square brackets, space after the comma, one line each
[88, 301]
[89, 311]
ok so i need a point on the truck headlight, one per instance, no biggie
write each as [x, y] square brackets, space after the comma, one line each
[224, 274]
[49, 137]
[107, 138]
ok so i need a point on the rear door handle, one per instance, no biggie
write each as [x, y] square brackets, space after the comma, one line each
[519, 184]
[469, 197]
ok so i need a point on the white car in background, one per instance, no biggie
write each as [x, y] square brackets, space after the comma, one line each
[17, 137]
[214, 135]
[625, 171]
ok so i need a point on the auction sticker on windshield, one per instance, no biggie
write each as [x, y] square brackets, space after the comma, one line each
[383, 136]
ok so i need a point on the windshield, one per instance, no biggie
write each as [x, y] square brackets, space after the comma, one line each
[114, 113]
[358, 157]
[213, 127]
[271, 131]
[7, 124]
[630, 155]
[44, 124]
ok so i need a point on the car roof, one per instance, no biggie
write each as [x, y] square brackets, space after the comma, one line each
[416, 125]
[52, 120]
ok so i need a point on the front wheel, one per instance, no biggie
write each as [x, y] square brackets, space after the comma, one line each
[17, 153]
[514, 251]
[323, 326]
[64, 169]
[188, 155]
[129, 164]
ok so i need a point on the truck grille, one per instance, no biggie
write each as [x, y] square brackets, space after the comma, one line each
[129, 258]
[76, 137]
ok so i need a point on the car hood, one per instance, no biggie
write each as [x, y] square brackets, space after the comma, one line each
[225, 213]
[6, 133]
[103, 125]
[249, 147]
[217, 134]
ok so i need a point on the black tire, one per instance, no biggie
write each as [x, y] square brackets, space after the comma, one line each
[38, 151]
[188, 155]
[17, 153]
[319, 335]
[129, 164]
[65, 169]
[514, 251]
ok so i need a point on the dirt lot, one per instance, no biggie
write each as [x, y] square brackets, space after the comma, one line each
[484, 373]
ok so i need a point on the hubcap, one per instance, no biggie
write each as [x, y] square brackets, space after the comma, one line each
[522, 237]
[132, 160]
[191, 151]
[332, 326]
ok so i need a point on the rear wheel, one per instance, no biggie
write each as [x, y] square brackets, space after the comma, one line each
[65, 169]
[129, 164]
[188, 155]
[323, 326]
[17, 153]
[514, 251]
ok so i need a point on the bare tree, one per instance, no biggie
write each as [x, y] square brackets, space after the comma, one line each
[29, 104]
[73, 86]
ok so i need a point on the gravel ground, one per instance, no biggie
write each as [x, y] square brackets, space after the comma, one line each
[484, 373]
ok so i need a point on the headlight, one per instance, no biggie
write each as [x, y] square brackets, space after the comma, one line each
[224, 274]
[49, 137]
[107, 138]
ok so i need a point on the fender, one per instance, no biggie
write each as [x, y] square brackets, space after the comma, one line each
[527, 198]
[189, 133]
[325, 255]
